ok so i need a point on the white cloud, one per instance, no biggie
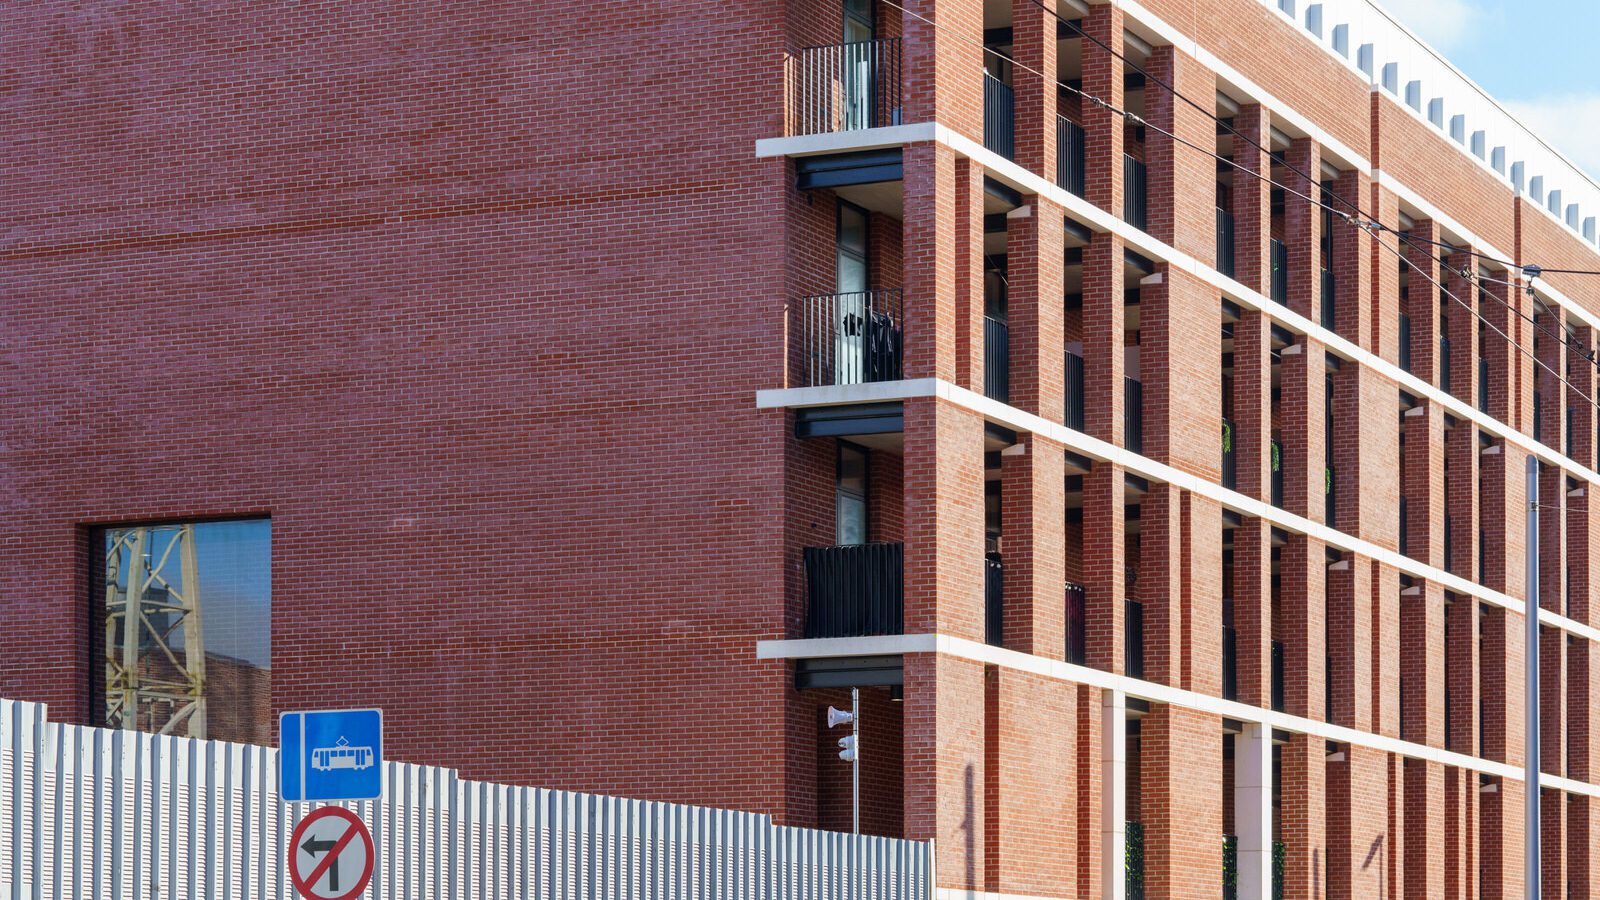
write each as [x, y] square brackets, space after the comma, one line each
[1446, 24]
[1568, 122]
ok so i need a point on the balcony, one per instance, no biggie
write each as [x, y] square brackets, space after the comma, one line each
[1329, 507]
[1133, 649]
[996, 359]
[1135, 193]
[1483, 384]
[1277, 676]
[1074, 392]
[1133, 415]
[850, 338]
[1275, 452]
[1077, 625]
[1444, 364]
[1230, 459]
[1328, 294]
[1280, 272]
[1225, 254]
[1071, 156]
[844, 87]
[999, 117]
[994, 604]
[1405, 342]
[1230, 662]
[854, 590]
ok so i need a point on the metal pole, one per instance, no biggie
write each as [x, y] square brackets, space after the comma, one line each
[855, 764]
[1531, 868]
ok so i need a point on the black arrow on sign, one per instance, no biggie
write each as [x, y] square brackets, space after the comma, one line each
[315, 847]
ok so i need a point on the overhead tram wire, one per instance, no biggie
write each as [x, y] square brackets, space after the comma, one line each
[1370, 226]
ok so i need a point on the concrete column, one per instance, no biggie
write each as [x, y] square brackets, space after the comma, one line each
[1353, 264]
[1034, 260]
[1252, 200]
[943, 509]
[969, 266]
[929, 259]
[1182, 785]
[1252, 808]
[1103, 129]
[1033, 46]
[1105, 564]
[1303, 375]
[1303, 230]
[1033, 521]
[1114, 797]
[1104, 317]
[944, 764]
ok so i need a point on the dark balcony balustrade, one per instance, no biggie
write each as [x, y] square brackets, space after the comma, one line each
[1405, 342]
[1280, 271]
[1225, 253]
[999, 117]
[994, 600]
[1071, 156]
[1133, 415]
[1230, 458]
[1277, 676]
[1133, 861]
[850, 338]
[1275, 454]
[1483, 384]
[1133, 649]
[1135, 193]
[996, 359]
[1329, 292]
[1230, 867]
[1230, 662]
[844, 87]
[1444, 365]
[1074, 392]
[1077, 625]
[854, 590]
[1329, 508]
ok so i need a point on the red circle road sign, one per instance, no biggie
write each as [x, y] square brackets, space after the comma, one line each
[331, 855]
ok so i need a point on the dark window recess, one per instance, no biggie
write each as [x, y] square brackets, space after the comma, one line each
[1135, 196]
[1225, 251]
[999, 117]
[1133, 415]
[1329, 295]
[1280, 271]
[994, 603]
[1277, 676]
[1071, 156]
[1275, 454]
[1074, 392]
[1405, 342]
[854, 590]
[1077, 625]
[1230, 663]
[1230, 459]
[1133, 650]
[996, 359]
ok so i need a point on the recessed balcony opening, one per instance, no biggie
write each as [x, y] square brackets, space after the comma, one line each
[850, 75]
[852, 329]
[879, 734]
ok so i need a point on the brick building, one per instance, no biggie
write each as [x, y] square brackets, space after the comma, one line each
[1134, 401]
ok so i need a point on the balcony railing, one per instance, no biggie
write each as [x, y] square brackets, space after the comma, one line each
[1133, 649]
[1230, 459]
[994, 602]
[1330, 509]
[1071, 156]
[1277, 676]
[854, 590]
[1405, 342]
[1328, 295]
[1077, 624]
[844, 87]
[1230, 663]
[999, 117]
[1074, 392]
[1135, 196]
[1275, 453]
[1230, 867]
[1280, 271]
[850, 338]
[1225, 254]
[1444, 364]
[1133, 415]
[996, 359]
[1133, 860]
[1483, 384]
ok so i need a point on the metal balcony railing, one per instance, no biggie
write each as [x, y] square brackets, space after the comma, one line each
[1275, 454]
[1444, 365]
[844, 87]
[1277, 676]
[1133, 415]
[1330, 509]
[999, 117]
[1230, 458]
[1225, 252]
[1071, 156]
[1483, 384]
[1133, 648]
[1280, 271]
[854, 590]
[994, 602]
[1077, 624]
[1074, 392]
[1230, 663]
[996, 359]
[1135, 193]
[850, 338]
[1328, 295]
[1405, 342]
[1230, 867]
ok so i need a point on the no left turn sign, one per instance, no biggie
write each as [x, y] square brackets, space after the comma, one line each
[331, 855]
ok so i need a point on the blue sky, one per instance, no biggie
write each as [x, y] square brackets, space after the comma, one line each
[1535, 56]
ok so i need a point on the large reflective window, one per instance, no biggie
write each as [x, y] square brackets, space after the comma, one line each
[183, 629]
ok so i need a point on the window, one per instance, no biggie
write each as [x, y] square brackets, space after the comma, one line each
[850, 494]
[182, 638]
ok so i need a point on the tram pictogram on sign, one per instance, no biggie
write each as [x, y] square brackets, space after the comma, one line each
[331, 855]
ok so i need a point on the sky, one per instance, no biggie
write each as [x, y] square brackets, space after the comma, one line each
[1535, 56]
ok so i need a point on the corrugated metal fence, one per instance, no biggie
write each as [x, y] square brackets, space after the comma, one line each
[93, 812]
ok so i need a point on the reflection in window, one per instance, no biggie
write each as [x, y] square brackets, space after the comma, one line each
[183, 629]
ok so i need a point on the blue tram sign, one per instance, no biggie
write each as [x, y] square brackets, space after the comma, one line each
[330, 755]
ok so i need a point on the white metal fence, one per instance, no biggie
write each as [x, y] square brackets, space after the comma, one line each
[94, 812]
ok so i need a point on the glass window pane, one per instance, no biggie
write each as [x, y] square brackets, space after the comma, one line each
[852, 525]
[852, 230]
[853, 470]
[196, 659]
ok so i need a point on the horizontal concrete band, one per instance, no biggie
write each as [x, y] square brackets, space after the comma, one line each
[1099, 450]
[962, 648]
[1098, 219]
